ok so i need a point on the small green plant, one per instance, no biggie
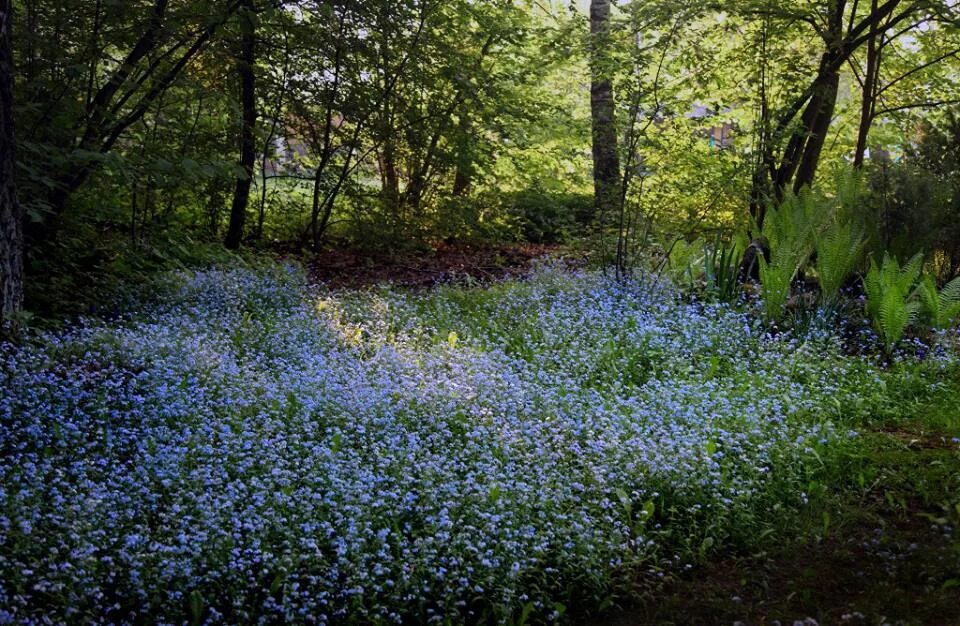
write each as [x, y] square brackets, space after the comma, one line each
[776, 278]
[839, 252]
[721, 264]
[791, 231]
[680, 258]
[889, 294]
[811, 222]
[940, 308]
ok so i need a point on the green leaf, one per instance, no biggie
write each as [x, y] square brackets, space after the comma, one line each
[196, 607]
[277, 583]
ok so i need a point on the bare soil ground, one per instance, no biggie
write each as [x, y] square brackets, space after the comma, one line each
[346, 268]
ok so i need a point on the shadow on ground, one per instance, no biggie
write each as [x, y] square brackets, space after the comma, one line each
[885, 553]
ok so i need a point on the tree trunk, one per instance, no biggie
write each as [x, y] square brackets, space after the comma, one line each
[822, 118]
[606, 162]
[868, 102]
[462, 178]
[248, 102]
[390, 178]
[802, 154]
[11, 213]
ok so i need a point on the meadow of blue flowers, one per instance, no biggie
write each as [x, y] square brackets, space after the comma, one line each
[248, 449]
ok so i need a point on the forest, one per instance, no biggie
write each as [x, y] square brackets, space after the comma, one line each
[512, 312]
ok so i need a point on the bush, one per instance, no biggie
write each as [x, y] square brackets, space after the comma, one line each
[548, 217]
[916, 201]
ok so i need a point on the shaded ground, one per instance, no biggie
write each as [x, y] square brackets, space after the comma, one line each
[882, 552]
[446, 263]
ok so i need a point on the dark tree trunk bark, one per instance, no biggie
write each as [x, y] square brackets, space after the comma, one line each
[391, 179]
[11, 213]
[868, 102]
[248, 103]
[822, 118]
[606, 161]
[463, 176]
[802, 153]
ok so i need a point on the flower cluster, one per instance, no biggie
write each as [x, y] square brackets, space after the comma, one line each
[244, 449]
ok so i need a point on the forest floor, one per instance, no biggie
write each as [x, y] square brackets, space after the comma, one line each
[882, 551]
[348, 268]
[563, 414]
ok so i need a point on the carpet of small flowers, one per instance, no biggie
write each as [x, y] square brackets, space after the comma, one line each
[246, 449]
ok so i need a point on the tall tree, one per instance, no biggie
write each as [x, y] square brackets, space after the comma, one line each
[802, 156]
[869, 91]
[606, 161]
[907, 68]
[11, 214]
[800, 128]
[81, 108]
[248, 105]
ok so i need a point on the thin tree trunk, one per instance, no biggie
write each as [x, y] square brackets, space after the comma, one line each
[868, 102]
[802, 154]
[248, 102]
[462, 178]
[11, 213]
[606, 162]
[764, 163]
[391, 179]
[103, 128]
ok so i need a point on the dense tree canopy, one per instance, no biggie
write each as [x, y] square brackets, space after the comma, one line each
[149, 124]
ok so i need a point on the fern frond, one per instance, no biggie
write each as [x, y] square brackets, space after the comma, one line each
[929, 299]
[776, 278]
[948, 316]
[838, 253]
[895, 316]
[950, 294]
[910, 272]
[873, 289]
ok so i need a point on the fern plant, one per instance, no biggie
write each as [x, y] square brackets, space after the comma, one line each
[790, 231]
[839, 252]
[776, 277]
[940, 308]
[889, 303]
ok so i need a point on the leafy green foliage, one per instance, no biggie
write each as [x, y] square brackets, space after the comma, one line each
[790, 231]
[721, 265]
[915, 200]
[839, 253]
[940, 308]
[889, 305]
[816, 231]
[545, 217]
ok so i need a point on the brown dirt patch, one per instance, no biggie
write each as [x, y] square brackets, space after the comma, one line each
[349, 268]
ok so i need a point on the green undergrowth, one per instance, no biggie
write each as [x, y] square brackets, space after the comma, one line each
[878, 543]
